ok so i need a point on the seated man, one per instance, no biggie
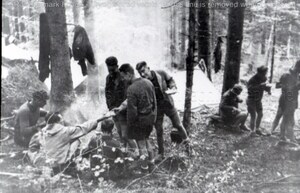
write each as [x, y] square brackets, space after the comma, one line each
[229, 108]
[57, 142]
[27, 117]
[109, 149]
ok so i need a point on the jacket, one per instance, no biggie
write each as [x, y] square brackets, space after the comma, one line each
[58, 142]
[228, 103]
[141, 102]
[115, 93]
[165, 82]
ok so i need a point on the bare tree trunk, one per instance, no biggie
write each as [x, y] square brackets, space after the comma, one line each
[273, 53]
[190, 65]
[288, 47]
[234, 45]
[183, 38]
[16, 22]
[213, 31]
[93, 84]
[76, 11]
[61, 78]
[204, 35]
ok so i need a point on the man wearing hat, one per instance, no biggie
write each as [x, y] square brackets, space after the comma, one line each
[27, 117]
[256, 87]
[229, 108]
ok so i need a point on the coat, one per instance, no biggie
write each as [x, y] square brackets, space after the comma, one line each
[58, 142]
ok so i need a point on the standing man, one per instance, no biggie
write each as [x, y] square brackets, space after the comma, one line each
[141, 111]
[27, 117]
[256, 87]
[115, 93]
[229, 108]
[290, 87]
[162, 81]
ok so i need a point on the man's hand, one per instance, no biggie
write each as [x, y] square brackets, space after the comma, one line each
[116, 110]
[235, 111]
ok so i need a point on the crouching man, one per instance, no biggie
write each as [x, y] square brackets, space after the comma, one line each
[229, 111]
[56, 144]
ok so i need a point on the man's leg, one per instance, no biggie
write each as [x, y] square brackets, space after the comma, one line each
[290, 124]
[240, 119]
[259, 110]
[175, 119]
[252, 112]
[142, 145]
[277, 119]
[119, 130]
[159, 131]
[174, 116]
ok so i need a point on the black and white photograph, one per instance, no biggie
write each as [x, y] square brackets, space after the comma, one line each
[150, 96]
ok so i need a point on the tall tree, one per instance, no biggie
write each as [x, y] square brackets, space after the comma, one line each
[183, 37]
[76, 11]
[61, 78]
[93, 82]
[190, 65]
[204, 35]
[234, 44]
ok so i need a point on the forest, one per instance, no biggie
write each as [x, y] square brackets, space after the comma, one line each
[211, 49]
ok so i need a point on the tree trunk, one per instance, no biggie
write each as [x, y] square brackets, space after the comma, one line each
[16, 22]
[190, 66]
[183, 38]
[204, 35]
[269, 45]
[213, 31]
[62, 93]
[76, 11]
[173, 37]
[273, 53]
[93, 84]
[234, 45]
[288, 47]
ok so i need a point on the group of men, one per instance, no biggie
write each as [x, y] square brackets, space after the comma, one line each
[288, 103]
[138, 105]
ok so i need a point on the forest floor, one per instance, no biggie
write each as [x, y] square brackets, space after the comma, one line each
[221, 161]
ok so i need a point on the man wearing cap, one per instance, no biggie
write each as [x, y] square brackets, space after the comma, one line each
[256, 87]
[162, 81]
[290, 87]
[27, 117]
[229, 108]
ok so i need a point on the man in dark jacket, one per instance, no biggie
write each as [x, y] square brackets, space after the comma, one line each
[27, 116]
[141, 111]
[256, 87]
[290, 87]
[279, 113]
[229, 108]
[115, 94]
[162, 81]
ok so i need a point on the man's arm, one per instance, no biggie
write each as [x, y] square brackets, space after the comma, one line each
[169, 80]
[43, 112]
[25, 128]
[77, 131]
